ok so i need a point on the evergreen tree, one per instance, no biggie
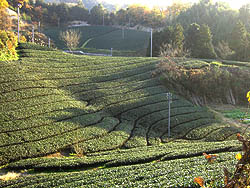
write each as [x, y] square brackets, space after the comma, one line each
[199, 41]
[244, 15]
[78, 13]
[218, 16]
[191, 40]
[97, 13]
[239, 41]
[248, 48]
[63, 13]
[173, 36]
[160, 38]
[178, 37]
[205, 46]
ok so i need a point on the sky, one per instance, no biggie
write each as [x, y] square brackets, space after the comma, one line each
[235, 4]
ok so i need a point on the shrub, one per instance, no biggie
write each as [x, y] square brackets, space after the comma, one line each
[78, 150]
[241, 176]
[170, 50]
[23, 39]
[33, 46]
[223, 50]
[39, 38]
[71, 38]
[8, 44]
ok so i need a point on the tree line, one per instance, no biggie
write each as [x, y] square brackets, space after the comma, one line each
[62, 13]
[207, 30]
[204, 29]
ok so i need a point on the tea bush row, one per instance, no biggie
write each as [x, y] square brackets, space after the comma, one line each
[116, 105]
[119, 157]
[147, 175]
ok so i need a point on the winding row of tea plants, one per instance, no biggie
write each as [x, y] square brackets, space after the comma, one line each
[171, 173]
[100, 39]
[110, 107]
[168, 151]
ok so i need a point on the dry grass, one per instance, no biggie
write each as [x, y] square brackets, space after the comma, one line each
[10, 176]
[55, 155]
[78, 150]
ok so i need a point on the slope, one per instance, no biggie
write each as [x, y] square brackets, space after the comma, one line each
[115, 111]
[51, 100]
[133, 40]
[88, 32]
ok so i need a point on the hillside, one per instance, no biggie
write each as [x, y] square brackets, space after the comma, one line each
[110, 110]
[88, 32]
[95, 38]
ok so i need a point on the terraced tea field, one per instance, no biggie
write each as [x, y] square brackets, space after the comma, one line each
[88, 32]
[100, 39]
[115, 112]
[133, 40]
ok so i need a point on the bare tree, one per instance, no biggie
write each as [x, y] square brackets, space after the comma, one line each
[71, 38]
[168, 50]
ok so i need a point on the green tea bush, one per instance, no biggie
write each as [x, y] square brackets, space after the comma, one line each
[33, 46]
[154, 174]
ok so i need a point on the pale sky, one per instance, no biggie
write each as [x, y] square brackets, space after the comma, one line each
[235, 4]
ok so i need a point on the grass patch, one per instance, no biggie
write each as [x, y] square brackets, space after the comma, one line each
[238, 114]
[10, 176]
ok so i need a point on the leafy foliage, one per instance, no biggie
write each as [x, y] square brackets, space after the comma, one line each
[4, 4]
[167, 50]
[170, 36]
[8, 44]
[239, 42]
[199, 41]
[5, 21]
[241, 176]
[223, 50]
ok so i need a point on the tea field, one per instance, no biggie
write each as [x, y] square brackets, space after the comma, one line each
[133, 40]
[88, 32]
[113, 112]
[99, 39]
